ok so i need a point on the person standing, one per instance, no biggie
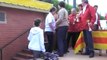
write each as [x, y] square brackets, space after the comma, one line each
[106, 16]
[36, 40]
[97, 25]
[61, 28]
[88, 19]
[72, 33]
[50, 28]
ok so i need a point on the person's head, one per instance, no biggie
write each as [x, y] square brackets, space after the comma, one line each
[96, 7]
[84, 2]
[73, 11]
[61, 4]
[80, 7]
[37, 22]
[53, 10]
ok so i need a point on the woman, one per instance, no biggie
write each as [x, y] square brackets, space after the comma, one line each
[61, 28]
[74, 28]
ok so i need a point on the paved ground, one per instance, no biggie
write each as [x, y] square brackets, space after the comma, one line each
[72, 56]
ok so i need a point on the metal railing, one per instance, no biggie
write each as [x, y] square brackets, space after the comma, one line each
[11, 42]
[0, 54]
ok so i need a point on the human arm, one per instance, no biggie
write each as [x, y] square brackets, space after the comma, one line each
[41, 37]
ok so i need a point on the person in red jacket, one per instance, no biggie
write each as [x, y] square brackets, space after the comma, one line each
[106, 16]
[71, 29]
[74, 28]
[88, 19]
[97, 25]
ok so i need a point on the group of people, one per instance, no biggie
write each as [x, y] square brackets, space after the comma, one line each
[66, 27]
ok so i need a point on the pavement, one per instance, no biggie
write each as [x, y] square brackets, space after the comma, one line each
[72, 56]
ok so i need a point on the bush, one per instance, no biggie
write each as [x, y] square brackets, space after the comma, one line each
[102, 17]
[55, 3]
[68, 7]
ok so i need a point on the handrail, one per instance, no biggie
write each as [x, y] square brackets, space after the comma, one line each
[1, 54]
[14, 39]
[12, 42]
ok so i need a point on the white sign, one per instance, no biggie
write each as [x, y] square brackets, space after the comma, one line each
[103, 24]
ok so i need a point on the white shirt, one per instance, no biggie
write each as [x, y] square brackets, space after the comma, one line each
[96, 18]
[36, 39]
[84, 8]
[49, 19]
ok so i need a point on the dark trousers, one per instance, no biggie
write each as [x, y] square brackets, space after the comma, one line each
[50, 36]
[72, 38]
[88, 41]
[37, 54]
[95, 27]
[61, 39]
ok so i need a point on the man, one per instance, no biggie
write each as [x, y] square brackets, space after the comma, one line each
[97, 25]
[50, 28]
[106, 16]
[36, 40]
[88, 19]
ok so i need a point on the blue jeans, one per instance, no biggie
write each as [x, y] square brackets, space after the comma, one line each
[88, 41]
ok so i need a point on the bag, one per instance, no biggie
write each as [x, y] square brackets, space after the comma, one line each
[50, 56]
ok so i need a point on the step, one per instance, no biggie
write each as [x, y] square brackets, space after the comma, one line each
[20, 58]
[27, 51]
[25, 55]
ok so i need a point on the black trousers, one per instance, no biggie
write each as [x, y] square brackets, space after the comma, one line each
[95, 27]
[72, 38]
[50, 36]
[37, 54]
[61, 39]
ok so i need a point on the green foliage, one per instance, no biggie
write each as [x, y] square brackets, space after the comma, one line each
[55, 3]
[102, 17]
[68, 7]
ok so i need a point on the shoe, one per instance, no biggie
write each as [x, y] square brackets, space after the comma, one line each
[66, 52]
[85, 53]
[91, 55]
[61, 55]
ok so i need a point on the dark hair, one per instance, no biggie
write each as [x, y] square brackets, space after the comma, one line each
[85, 1]
[80, 5]
[37, 22]
[96, 6]
[62, 4]
[53, 9]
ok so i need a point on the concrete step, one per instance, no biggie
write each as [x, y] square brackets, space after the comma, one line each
[19, 58]
[27, 51]
[25, 55]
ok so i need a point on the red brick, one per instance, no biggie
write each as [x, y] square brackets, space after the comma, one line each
[18, 21]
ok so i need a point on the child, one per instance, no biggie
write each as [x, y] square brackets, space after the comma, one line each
[36, 39]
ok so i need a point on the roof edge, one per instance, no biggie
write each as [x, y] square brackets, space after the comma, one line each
[22, 7]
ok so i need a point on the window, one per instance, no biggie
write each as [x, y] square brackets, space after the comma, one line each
[2, 17]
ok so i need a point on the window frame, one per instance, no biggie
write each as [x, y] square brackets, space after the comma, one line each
[5, 20]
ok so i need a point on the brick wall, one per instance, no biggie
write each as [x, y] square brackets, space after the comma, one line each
[18, 21]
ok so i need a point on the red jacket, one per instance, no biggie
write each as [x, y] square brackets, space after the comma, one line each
[74, 27]
[71, 27]
[106, 16]
[89, 14]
